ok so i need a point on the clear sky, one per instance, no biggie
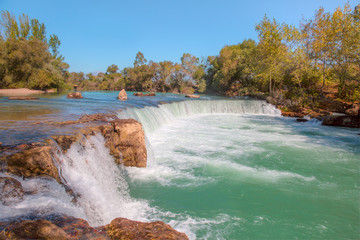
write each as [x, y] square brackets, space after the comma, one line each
[97, 33]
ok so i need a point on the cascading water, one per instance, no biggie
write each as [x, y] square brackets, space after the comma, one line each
[217, 169]
[100, 184]
[153, 117]
[229, 169]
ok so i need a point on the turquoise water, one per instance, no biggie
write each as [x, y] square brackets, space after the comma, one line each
[217, 169]
[245, 176]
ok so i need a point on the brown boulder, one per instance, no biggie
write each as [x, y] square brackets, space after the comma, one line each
[66, 227]
[122, 95]
[192, 96]
[138, 94]
[34, 229]
[23, 98]
[10, 190]
[122, 228]
[301, 120]
[342, 121]
[331, 105]
[65, 141]
[33, 162]
[74, 95]
[125, 139]
[354, 110]
[292, 114]
[150, 94]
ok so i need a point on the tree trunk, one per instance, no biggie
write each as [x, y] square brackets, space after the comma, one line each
[270, 83]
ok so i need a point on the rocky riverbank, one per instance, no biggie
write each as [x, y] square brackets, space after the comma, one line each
[126, 143]
[331, 112]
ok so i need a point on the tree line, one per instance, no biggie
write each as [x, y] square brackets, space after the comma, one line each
[301, 64]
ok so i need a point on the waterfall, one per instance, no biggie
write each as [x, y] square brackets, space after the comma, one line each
[153, 117]
[99, 183]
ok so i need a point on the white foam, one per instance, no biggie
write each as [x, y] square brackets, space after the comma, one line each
[154, 117]
[191, 225]
[43, 196]
[91, 172]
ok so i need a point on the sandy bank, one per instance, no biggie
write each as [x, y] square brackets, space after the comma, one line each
[21, 92]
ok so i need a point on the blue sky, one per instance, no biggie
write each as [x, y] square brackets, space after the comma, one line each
[96, 34]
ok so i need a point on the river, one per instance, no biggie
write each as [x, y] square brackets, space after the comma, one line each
[217, 169]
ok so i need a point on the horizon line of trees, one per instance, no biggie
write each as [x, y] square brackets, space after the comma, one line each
[302, 64]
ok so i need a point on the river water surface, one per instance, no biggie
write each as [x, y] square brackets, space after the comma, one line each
[217, 169]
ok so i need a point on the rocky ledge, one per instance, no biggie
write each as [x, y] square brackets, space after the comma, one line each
[66, 227]
[126, 141]
[331, 112]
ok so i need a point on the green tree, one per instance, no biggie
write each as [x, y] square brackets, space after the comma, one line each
[112, 69]
[272, 51]
[54, 44]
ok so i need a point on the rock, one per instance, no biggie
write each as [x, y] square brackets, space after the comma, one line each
[332, 105]
[100, 117]
[33, 162]
[192, 96]
[292, 114]
[74, 95]
[271, 100]
[122, 228]
[10, 190]
[124, 138]
[140, 94]
[66, 227]
[122, 95]
[65, 141]
[77, 228]
[342, 121]
[23, 98]
[353, 110]
[35, 229]
[126, 142]
[301, 120]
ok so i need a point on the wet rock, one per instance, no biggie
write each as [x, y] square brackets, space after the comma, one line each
[33, 162]
[125, 139]
[301, 120]
[10, 190]
[122, 228]
[77, 228]
[65, 141]
[23, 98]
[150, 94]
[99, 117]
[122, 95]
[34, 229]
[342, 121]
[192, 96]
[74, 95]
[138, 94]
[292, 114]
[66, 227]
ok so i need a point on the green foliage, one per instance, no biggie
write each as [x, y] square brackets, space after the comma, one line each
[25, 59]
[112, 69]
